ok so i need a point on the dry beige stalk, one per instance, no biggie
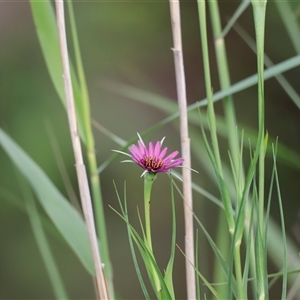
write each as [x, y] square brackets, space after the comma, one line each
[85, 195]
[185, 148]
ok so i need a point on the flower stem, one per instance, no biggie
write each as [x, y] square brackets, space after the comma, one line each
[148, 182]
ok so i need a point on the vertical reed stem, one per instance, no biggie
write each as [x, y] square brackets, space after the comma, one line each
[185, 148]
[80, 167]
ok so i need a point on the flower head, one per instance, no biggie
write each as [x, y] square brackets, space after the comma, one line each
[153, 158]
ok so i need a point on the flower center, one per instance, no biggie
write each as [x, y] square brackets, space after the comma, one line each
[153, 163]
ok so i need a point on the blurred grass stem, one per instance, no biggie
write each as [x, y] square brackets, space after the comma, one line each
[80, 167]
[229, 111]
[214, 139]
[185, 148]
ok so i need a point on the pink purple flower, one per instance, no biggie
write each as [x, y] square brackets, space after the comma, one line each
[153, 158]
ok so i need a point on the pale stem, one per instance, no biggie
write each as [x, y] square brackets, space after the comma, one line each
[80, 167]
[185, 148]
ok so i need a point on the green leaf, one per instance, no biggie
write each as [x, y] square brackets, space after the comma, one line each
[45, 23]
[42, 242]
[64, 216]
[44, 19]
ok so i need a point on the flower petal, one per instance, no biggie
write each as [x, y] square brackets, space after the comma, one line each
[142, 148]
[135, 152]
[175, 163]
[151, 150]
[163, 153]
[171, 156]
[157, 149]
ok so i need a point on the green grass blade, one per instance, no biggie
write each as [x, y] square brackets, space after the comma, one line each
[44, 19]
[259, 13]
[284, 257]
[159, 101]
[67, 220]
[208, 87]
[249, 257]
[291, 92]
[275, 252]
[219, 256]
[223, 244]
[225, 82]
[290, 22]
[210, 287]
[222, 186]
[198, 288]
[42, 243]
[284, 154]
[124, 212]
[169, 269]
[238, 12]
[148, 259]
[45, 23]
[147, 256]
[260, 263]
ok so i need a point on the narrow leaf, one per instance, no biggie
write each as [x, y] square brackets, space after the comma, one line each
[64, 216]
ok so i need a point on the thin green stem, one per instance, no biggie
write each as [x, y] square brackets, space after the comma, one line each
[259, 13]
[211, 115]
[148, 183]
[223, 242]
[147, 195]
[208, 85]
[224, 78]
[229, 111]
[238, 272]
[230, 116]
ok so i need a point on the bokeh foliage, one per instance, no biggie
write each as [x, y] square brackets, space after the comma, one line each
[130, 43]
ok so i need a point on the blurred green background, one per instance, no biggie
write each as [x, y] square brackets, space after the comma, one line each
[127, 42]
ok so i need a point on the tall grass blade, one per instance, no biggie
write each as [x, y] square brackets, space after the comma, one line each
[42, 243]
[291, 92]
[148, 259]
[159, 101]
[290, 22]
[169, 269]
[206, 282]
[284, 154]
[259, 13]
[198, 288]
[284, 257]
[238, 12]
[45, 23]
[124, 212]
[67, 220]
